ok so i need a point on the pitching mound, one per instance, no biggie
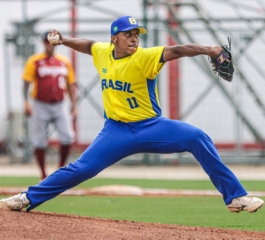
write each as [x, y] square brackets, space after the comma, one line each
[40, 225]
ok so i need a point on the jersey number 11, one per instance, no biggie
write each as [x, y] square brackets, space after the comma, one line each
[132, 102]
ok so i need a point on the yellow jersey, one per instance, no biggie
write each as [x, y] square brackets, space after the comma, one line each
[129, 85]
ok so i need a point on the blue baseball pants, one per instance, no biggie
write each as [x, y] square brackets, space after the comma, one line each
[118, 140]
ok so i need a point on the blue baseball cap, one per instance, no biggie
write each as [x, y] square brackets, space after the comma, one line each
[124, 24]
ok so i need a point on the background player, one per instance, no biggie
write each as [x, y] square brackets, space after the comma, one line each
[51, 74]
[134, 123]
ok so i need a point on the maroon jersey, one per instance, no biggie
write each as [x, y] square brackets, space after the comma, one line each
[49, 75]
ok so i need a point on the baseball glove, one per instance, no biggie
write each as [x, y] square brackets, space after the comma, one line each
[223, 63]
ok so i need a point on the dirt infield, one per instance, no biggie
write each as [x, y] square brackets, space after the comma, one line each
[40, 225]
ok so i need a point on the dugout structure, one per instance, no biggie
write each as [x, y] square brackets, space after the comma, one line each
[231, 113]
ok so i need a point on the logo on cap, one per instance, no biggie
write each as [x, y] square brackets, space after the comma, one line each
[115, 29]
[132, 21]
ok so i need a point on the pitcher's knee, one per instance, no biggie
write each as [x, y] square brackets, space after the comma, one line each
[201, 134]
[198, 137]
[83, 171]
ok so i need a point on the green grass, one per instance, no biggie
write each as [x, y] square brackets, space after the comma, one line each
[144, 183]
[192, 211]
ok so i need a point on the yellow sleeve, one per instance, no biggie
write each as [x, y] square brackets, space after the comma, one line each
[97, 49]
[149, 61]
[71, 74]
[28, 74]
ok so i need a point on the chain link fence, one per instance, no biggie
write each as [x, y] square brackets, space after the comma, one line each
[202, 103]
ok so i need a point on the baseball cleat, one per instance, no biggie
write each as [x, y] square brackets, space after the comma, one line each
[15, 203]
[245, 203]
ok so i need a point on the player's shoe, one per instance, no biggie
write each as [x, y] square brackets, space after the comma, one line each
[15, 203]
[245, 203]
